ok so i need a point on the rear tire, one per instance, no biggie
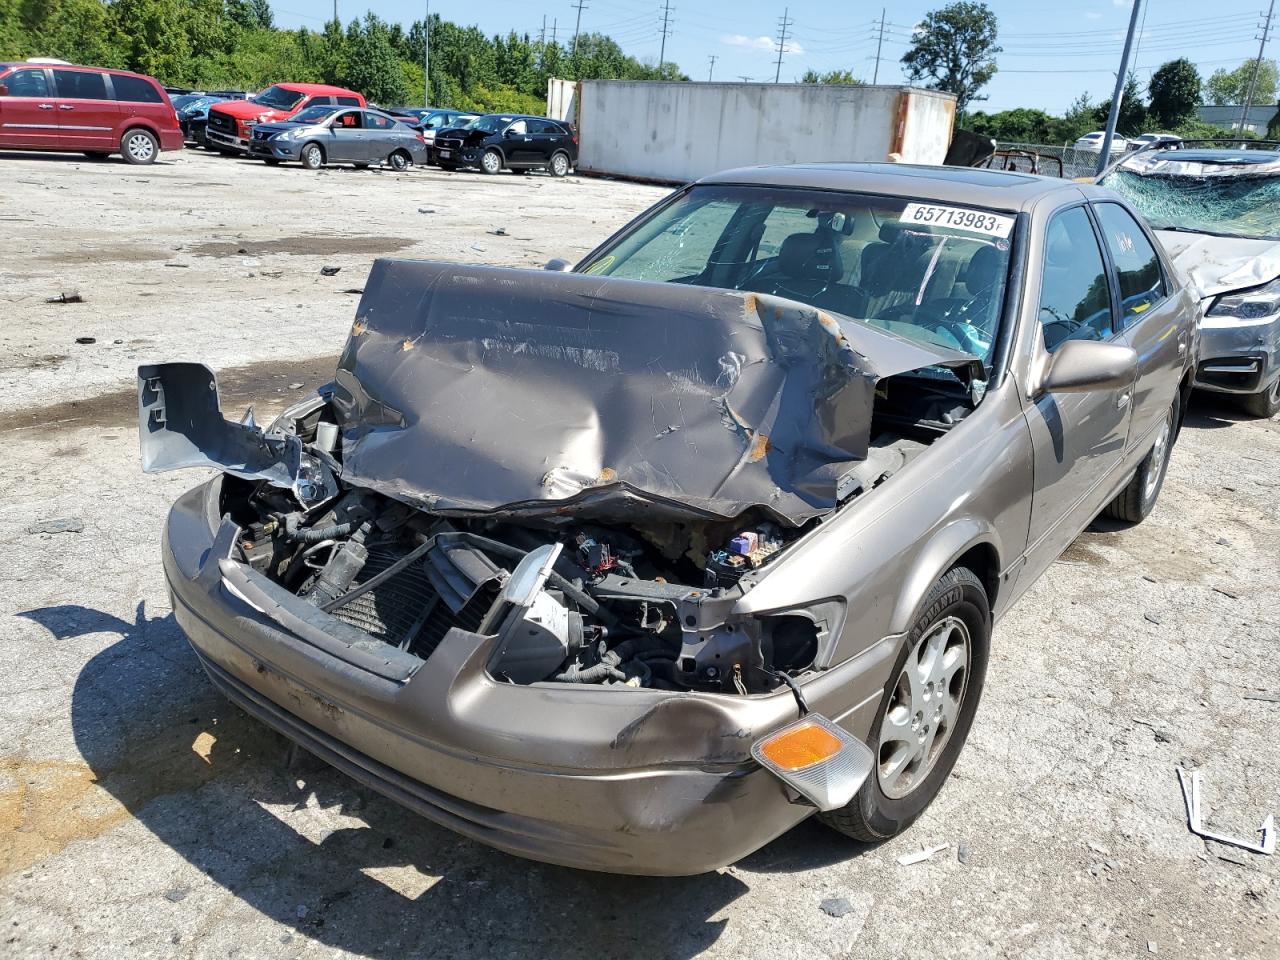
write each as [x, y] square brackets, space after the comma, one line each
[1135, 502]
[491, 162]
[1264, 405]
[312, 156]
[559, 166]
[952, 633]
[139, 147]
[399, 161]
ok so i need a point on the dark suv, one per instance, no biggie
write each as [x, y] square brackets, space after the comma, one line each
[516, 142]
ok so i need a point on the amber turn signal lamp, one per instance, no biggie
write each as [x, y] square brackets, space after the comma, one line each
[801, 746]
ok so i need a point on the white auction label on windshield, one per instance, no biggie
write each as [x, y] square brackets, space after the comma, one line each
[976, 221]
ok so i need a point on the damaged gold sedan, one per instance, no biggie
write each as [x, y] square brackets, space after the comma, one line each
[634, 567]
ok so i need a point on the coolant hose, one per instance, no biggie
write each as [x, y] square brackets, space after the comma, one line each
[326, 533]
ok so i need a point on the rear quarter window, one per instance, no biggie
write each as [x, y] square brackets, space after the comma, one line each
[348, 101]
[135, 89]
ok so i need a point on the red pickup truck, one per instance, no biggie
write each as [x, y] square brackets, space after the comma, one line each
[231, 122]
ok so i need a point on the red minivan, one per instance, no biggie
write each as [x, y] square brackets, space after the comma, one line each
[231, 123]
[92, 110]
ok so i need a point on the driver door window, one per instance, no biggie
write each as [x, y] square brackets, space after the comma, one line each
[1075, 295]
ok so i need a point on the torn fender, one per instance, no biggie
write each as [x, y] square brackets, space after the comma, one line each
[180, 424]
[484, 391]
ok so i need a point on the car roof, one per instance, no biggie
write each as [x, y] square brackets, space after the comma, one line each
[1234, 157]
[963, 185]
[315, 88]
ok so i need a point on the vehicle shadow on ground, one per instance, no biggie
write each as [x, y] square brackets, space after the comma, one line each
[205, 778]
[74, 157]
[1210, 411]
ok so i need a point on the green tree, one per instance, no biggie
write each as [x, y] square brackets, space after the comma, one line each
[152, 37]
[1174, 93]
[1232, 86]
[1021, 125]
[372, 66]
[843, 77]
[1080, 118]
[955, 49]
[1133, 112]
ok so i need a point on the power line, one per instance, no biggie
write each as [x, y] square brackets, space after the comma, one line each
[666, 28]
[712, 69]
[783, 26]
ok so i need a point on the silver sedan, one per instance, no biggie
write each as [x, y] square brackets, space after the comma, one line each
[323, 135]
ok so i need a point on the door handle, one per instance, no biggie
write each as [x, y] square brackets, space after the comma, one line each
[46, 106]
[65, 106]
[1122, 401]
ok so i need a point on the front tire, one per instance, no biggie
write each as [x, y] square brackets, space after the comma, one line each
[139, 147]
[1135, 502]
[927, 710]
[312, 156]
[1264, 405]
[491, 162]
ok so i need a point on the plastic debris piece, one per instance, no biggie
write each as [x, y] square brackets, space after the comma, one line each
[919, 856]
[1191, 795]
[1263, 695]
[67, 296]
[85, 341]
[64, 525]
[963, 853]
[176, 894]
[1151, 618]
[329, 271]
[836, 906]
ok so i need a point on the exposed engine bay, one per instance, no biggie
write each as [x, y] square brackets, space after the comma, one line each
[450, 479]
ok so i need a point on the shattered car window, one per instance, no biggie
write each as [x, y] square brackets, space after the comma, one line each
[278, 98]
[933, 273]
[314, 114]
[1236, 206]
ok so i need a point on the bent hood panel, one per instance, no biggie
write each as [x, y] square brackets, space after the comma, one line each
[1222, 264]
[480, 390]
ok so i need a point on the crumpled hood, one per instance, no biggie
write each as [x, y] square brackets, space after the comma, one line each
[480, 390]
[1221, 264]
[249, 112]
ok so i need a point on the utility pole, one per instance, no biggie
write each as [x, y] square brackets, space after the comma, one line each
[1113, 117]
[554, 24]
[713, 58]
[335, 12]
[426, 54]
[875, 77]
[1257, 65]
[577, 27]
[784, 25]
[666, 28]
[542, 34]
[744, 79]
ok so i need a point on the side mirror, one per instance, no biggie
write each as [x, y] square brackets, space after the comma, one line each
[1080, 366]
[510, 134]
[558, 265]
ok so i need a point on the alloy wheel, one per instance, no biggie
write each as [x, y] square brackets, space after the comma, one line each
[141, 147]
[924, 707]
[1159, 454]
[559, 164]
[491, 162]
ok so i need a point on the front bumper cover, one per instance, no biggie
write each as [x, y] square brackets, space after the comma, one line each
[627, 781]
[1238, 356]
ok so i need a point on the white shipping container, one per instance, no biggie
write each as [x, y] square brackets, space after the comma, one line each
[675, 132]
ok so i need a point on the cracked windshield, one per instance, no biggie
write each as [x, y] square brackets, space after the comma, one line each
[1236, 205]
[930, 272]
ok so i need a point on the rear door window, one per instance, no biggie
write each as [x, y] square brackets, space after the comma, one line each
[1142, 283]
[27, 83]
[377, 122]
[80, 85]
[348, 101]
[137, 90]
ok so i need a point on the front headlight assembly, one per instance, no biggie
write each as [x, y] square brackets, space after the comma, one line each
[1256, 303]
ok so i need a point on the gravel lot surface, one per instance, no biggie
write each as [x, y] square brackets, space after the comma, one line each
[142, 816]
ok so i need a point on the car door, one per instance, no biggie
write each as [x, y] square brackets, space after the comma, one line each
[345, 143]
[379, 136]
[28, 114]
[548, 137]
[1152, 319]
[517, 144]
[87, 112]
[1078, 439]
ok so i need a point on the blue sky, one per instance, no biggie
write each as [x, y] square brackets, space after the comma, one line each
[1053, 52]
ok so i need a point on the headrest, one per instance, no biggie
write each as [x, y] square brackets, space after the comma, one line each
[982, 267]
[811, 256]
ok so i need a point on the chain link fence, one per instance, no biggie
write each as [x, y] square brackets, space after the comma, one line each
[1064, 161]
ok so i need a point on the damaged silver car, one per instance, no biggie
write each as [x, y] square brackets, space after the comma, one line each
[1216, 209]
[636, 566]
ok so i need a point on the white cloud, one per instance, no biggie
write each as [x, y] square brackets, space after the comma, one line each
[759, 43]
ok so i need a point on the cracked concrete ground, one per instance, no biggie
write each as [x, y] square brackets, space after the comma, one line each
[142, 816]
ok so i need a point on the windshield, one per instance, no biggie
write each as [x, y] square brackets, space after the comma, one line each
[1237, 206]
[277, 98]
[313, 114]
[491, 124]
[186, 100]
[930, 272]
